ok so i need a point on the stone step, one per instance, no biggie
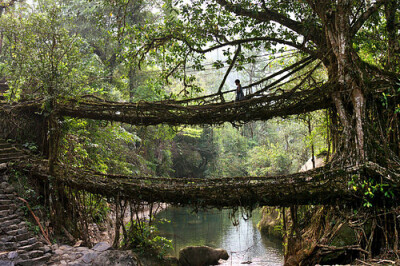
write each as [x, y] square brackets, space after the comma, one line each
[9, 207]
[11, 154]
[5, 145]
[10, 217]
[10, 228]
[17, 232]
[22, 237]
[35, 261]
[8, 150]
[22, 224]
[6, 196]
[14, 211]
[15, 158]
[28, 242]
[35, 246]
[31, 254]
[4, 213]
[5, 202]
[7, 239]
[5, 188]
[9, 223]
[8, 246]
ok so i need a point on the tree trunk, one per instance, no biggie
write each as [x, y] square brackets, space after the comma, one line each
[393, 58]
[349, 97]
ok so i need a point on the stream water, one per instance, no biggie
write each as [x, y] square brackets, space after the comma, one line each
[215, 228]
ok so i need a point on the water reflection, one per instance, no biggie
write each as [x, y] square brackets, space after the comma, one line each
[214, 228]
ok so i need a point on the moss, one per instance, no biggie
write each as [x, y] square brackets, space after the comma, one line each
[344, 237]
[271, 223]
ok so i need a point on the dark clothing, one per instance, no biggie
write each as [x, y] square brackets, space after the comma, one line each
[239, 93]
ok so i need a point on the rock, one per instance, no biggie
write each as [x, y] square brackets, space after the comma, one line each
[89, 257]
[6, 263]
[65, 247]
[59, 252]
[82, 249]
[72, 256]
[115, 258]
[77, 264]
[78, 243]
[319, 162]
[101, 246]
[46, 249]
[12, 255]
[9, 190]
[203, 255]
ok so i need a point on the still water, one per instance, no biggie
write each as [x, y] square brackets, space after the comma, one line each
[215, 228]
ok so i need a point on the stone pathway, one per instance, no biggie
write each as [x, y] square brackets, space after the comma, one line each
[101, 254]
[18, 246]
[8, 152]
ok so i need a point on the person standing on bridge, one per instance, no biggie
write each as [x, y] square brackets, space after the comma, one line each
[239, 91]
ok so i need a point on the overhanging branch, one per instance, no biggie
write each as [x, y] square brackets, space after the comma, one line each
[365, 16]
[267, 15]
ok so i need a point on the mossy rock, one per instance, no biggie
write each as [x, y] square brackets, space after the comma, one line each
[344, 237]
[270, 222]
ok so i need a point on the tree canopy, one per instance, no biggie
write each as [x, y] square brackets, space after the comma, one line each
[342, 35]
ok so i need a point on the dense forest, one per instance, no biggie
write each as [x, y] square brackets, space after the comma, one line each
[332, 66]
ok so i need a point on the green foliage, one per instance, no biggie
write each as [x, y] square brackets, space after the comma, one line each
[193, 152]
[261, 149]
[41, 57]
[99, 209]
[33, 227]
[102, 147]
[31, 146]
[268, 160]
[144, 238]
[232, 150]
[371, 190]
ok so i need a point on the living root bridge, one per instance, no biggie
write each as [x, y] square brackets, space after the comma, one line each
[319, 186]
[175, 113]
[196, 112]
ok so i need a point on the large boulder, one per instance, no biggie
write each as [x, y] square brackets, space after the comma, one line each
[201, 256]
[319, 161]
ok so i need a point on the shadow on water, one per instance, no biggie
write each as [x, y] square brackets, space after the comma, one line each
[214, 228]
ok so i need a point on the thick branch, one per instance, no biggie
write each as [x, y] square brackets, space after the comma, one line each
[247, 40]
[265, 16]
[268, 15]
[229, 69]
[365, 16]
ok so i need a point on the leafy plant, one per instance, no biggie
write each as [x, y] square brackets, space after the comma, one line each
[144, 237]
[370, 189]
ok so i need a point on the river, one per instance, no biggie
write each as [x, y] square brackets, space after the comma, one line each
[214, 228]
